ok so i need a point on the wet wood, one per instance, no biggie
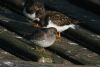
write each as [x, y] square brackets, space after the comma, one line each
[22, 49]
[30, 64]
[23, 28]
[8, 42]
[15, 5]
[86, 38]
[88, 4]
[56, 48]
[77, 54]
[74, 52]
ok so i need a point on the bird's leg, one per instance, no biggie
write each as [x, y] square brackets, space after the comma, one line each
[58, 36]
[37, 25]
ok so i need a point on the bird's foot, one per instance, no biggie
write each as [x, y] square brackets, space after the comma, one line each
[58, 36]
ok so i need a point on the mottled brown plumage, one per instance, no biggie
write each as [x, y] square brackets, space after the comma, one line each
[59, 18]
[34, 6]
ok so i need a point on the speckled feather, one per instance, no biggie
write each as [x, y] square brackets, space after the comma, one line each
[59, 18]
[35, 6]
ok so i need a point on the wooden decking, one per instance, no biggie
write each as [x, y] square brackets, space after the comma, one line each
[77, 47]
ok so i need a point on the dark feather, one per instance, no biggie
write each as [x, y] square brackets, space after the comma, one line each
[36, 6]
[37, 33]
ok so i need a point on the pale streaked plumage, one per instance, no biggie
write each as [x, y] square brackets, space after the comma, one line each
[43, 37]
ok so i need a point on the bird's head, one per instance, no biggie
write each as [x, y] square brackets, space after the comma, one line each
[35, 9]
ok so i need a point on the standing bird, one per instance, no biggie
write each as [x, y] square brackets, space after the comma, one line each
[43, 37]
[57, 20]
[34, 9]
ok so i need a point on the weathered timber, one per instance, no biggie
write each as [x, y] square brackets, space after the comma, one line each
[63, 53]
[15, 46]
[92, 5]
[86, 38]
[22, 29]
[25, 28]
[4, 55]
[73, 57]
[9, 19]
[22, 49]
[15, 5]
[4, 13]
[88, 19]
[13, 63]
[75, 52]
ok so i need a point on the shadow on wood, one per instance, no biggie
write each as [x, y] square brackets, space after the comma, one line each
[92, 5]
[85, 38]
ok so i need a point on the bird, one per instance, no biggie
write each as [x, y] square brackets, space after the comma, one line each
[34, 9]
[43, 37]
[57, 20]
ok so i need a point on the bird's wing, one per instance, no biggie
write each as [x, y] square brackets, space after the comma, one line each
[60, 19]
[38, 34]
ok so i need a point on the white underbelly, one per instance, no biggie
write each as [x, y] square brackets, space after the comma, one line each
[44, 43]
[60, 28]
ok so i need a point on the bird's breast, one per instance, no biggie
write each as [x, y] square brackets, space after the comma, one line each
[43, 43]
[59, 28]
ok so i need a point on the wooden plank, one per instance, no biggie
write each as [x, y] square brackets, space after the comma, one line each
[23, 29]
[92, 5]
[18, 28]
[22, 49]
[4, 12]
[8, 41]
[13, 63]
[89, 40]
[14, 5]
[58, 49]
[75, 52]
